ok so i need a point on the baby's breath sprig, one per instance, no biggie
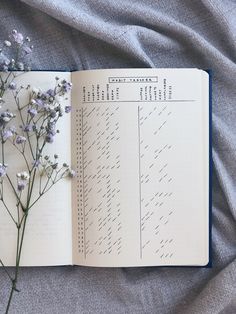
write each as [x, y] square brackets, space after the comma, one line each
[14, 51]
[14, 56]
[37, 129]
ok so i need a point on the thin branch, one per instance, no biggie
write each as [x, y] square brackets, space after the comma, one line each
[22, 153]
[5, 269]
[14, 190]
[7, 209]
[23, 123]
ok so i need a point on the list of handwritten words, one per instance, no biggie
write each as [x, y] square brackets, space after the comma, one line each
[155, 179]
[100, 169]
[101, 180]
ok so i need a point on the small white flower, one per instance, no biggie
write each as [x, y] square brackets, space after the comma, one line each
[35, 90]
[6, 119]
[7, 43]
[33, 101]
[23, 176]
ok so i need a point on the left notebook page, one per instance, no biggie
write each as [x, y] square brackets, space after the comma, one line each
[48, 235]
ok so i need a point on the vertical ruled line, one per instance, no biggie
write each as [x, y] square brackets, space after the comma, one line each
[82, 144]
[140, 205]
[78, 178]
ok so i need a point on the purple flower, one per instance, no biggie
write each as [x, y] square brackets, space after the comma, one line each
[72, 173]
[51, 128]
[3, 170]
[51, 132]
[20, 139]
[44, 96]
[32, 112]
[6, 134]
[17, 37]
[27, 128]
[21, 185]
[53, 114]
[49, 138]
[68, 109]
[12, 86]
[51, 92]
[39, 102]
[66, 86]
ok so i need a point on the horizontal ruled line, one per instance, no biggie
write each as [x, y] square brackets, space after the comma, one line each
[120, 101]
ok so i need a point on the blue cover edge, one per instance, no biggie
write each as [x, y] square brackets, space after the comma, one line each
[209, 265]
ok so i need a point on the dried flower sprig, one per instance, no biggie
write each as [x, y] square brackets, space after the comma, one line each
[14, 56]
[38, 128]
[13, 53]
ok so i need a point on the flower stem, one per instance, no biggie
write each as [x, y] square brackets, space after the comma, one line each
[1, 91]
[20, 239]
[5, 269]
[10, 299]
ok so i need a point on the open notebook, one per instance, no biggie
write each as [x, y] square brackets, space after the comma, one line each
[139, 142]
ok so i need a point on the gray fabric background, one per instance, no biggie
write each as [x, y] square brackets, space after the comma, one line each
[83, 34]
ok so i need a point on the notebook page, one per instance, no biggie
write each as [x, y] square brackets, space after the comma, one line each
[48, 239]
[140, 146]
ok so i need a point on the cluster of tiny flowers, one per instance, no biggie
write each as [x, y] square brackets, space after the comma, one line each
[42, 104]
[28, 124]
[14, 51]
[9, 131]
[51, 165]
[39, 115]
[48, 104]
[5, 118]
[22, 180]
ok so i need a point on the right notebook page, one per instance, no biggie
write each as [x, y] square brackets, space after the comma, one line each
[140, 145]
